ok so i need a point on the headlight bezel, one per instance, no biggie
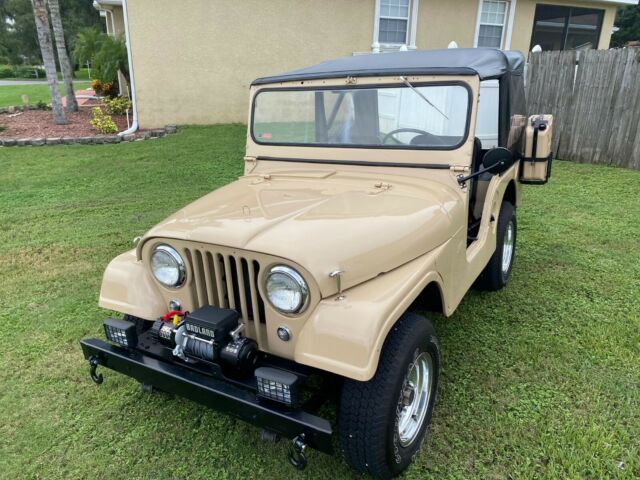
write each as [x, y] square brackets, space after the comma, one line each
[175, 255]
[297, 277]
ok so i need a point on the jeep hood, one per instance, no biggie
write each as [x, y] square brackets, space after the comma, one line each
[324, 221]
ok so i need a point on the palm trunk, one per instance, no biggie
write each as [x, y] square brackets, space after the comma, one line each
[46, 47]
[63, 56]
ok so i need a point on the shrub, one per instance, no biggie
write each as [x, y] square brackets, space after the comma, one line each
[29, 72]
[42, 105]
[111, 59]
[107, 89]
[101, 122]
[117, 105]
[96, 85]
[110, 89]
[6, 72]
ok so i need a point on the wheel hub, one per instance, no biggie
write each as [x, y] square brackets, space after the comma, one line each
[415, 397]
[507, 249]
[408, 394]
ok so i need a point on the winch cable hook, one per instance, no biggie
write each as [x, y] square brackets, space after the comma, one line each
[93, 363]
[296, 455]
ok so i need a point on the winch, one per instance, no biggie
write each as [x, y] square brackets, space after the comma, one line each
[209, 334]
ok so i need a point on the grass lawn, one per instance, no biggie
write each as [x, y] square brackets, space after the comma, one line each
[11, 95]
[540, 380]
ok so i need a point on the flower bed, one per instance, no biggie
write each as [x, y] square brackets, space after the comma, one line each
[27, 126]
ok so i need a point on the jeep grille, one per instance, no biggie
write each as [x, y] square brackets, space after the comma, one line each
[227, 281]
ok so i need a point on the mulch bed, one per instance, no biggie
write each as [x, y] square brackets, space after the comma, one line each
[39, 124]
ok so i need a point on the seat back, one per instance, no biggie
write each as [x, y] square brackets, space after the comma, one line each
[476, 163]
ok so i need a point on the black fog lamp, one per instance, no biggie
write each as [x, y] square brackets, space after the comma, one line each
[121, 332]
[277, 385]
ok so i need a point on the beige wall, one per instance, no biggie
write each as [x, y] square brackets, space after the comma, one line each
[118, 20]
[443, 21]
[193, 61]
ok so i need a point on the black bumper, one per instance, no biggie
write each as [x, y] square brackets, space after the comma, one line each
[211, 392]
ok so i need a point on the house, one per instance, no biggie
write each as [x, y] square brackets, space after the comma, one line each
[192, 60]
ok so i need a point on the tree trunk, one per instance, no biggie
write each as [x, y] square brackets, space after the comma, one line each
[63, 56]
[46, 47]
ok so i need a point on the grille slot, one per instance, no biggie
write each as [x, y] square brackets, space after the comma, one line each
[227, 281]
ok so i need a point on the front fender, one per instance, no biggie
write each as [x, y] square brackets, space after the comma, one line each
[346, 336]
[127, 287]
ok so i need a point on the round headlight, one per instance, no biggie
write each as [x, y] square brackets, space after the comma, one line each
[167, 266]
[286, 289]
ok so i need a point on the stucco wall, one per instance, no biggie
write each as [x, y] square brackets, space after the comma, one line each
[118, 20]
[441, 21]
[194, 61]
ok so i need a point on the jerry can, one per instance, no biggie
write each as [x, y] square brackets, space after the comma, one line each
[535, 167]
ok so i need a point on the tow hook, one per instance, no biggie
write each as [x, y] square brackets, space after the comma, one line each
[93, 363]
[296, 454]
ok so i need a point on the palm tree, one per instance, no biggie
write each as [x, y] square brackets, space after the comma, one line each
[63, 56]
[46, 48]
[86, 45]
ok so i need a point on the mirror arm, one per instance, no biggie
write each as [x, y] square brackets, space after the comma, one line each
[462, 179]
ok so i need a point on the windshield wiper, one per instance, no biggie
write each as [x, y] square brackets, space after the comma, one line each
[406, 82]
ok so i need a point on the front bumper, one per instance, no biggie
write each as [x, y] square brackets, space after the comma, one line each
[210, 392]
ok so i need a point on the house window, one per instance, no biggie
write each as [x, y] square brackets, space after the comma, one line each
[493, 15]
[395, 24]
[566, 28]
[394, 21]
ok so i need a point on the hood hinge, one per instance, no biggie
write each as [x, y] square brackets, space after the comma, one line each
[251, 163]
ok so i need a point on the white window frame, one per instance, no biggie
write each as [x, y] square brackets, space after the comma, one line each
[507, 27]
[412, 23]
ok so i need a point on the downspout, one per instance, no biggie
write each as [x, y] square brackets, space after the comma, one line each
[134, 104]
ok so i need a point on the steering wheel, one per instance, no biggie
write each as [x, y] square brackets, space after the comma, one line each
[433, 139]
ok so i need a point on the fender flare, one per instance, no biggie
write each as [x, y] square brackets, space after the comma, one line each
[346, 336]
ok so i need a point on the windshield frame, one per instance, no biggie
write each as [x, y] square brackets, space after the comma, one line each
[399, 84]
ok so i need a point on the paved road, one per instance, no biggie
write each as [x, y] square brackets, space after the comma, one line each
[4, 83]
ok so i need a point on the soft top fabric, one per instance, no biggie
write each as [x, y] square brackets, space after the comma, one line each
[486, 63]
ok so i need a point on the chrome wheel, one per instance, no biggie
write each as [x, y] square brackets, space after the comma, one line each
[507, 247]
[414, 398]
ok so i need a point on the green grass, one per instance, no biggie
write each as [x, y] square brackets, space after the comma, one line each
[11, 95]
[540, 380]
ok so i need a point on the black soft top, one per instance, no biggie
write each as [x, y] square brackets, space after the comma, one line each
[486, 63]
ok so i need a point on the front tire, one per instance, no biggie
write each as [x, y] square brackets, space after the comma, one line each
[383, 421]
[497, 273]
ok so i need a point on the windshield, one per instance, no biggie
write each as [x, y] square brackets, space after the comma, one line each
[411, 116]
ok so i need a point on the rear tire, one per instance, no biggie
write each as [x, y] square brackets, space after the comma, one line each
[383, 421]
[497, 273]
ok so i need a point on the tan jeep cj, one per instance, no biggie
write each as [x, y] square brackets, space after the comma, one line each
[374, 186]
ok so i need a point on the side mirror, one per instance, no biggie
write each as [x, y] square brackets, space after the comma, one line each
[498, 160]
